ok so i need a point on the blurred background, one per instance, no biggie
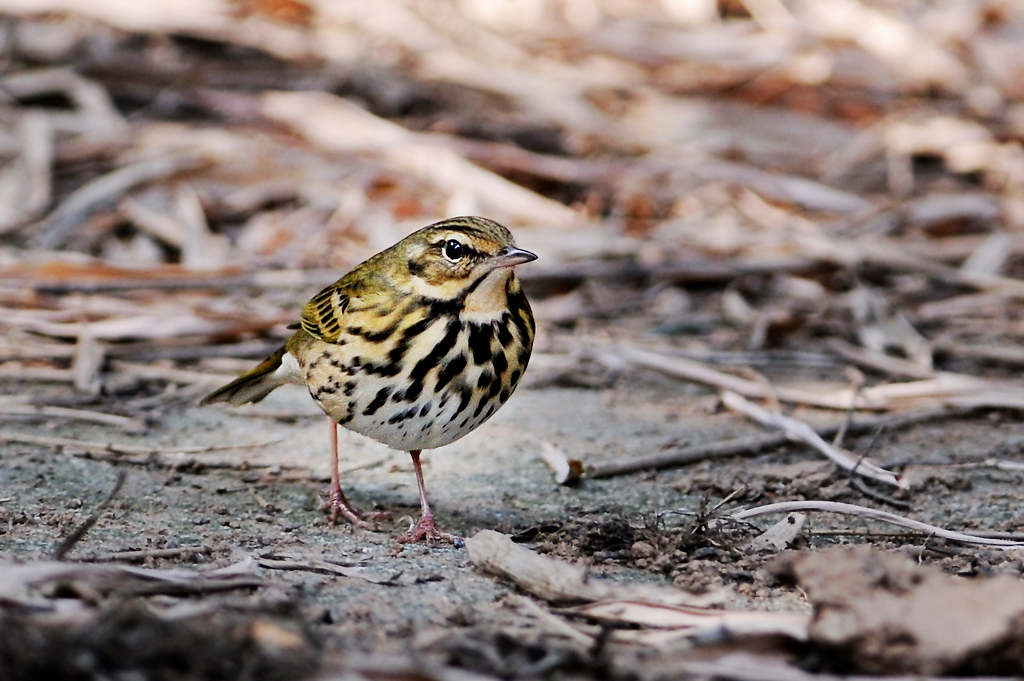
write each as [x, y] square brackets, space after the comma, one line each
[839, 177]
[811, 205]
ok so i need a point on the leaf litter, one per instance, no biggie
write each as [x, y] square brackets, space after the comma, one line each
[812, 205]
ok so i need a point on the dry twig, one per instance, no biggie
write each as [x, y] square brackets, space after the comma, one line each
[113, 448]
[63, 413]
[76, 535]
[106, 191]
[751, 446]
[874, 514]
[799, 430]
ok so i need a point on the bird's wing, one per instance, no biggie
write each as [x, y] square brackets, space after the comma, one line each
[329, 312]
[322, 315]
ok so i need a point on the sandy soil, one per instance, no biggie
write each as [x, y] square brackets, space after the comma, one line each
[263, 499]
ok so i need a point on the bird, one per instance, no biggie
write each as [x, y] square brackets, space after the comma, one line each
[415, 348]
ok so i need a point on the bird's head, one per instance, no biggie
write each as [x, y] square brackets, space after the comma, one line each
[450, 259]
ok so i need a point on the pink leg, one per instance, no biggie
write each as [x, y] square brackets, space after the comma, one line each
[425, 529]
[339, 504]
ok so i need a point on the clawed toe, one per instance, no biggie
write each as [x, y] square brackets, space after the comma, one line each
[339, 508]
[425, 529]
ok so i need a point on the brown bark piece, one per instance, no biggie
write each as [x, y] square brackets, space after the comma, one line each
[880, 613]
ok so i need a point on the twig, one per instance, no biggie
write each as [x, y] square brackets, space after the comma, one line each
[732, 495]
[741, 446]
[874, 534]
[148, 553]
[26, 583]
[549, 621]
[946, 388]
[873, 514]
[1013, 355]
[858, 482]
[78, 533]
[324, 566]
[699, 373]
[105, 191]
[336, 125]
[998, 464]
[844, 426]
[555, 580]
[769, 358]
[128, 423]
[750, 446]
[36, 133]
[799, 190]
[876, 361]
[1008, 536]
[71, 278]
[112, 448]
[148, 371]
[967, 305]
[803, 432]
[151, 324]
[16, 372]
[185, 348]
[37, 350]
[858, 382]
[887, 254]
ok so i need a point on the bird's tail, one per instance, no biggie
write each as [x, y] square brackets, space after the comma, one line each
[255, 384]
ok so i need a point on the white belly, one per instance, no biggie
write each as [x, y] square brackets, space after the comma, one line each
[425, 423]
[433, 395]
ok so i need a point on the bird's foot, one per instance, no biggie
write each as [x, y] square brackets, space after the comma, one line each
[339, 507]
[425, 529]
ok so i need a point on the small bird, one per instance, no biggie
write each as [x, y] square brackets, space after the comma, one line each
[415, 347]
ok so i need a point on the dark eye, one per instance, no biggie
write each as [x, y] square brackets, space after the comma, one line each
[452, 250]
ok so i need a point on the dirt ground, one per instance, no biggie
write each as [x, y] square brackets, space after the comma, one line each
[261, 499]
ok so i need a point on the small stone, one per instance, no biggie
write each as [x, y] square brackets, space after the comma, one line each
[642, 549]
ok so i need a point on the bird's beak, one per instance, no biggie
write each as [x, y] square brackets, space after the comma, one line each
[510, 256]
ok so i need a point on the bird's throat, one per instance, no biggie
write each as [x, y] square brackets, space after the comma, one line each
[489, 299]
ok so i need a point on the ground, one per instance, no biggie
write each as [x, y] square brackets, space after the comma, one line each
[262, 499]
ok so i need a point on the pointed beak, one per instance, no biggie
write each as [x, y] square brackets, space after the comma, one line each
[510, 256]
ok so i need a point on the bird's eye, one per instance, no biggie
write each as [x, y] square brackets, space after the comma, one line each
[452, 250]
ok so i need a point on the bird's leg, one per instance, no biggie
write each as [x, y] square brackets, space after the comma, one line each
[424, 529]
[339, 504]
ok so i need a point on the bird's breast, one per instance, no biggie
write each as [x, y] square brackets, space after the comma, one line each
[434, 377]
